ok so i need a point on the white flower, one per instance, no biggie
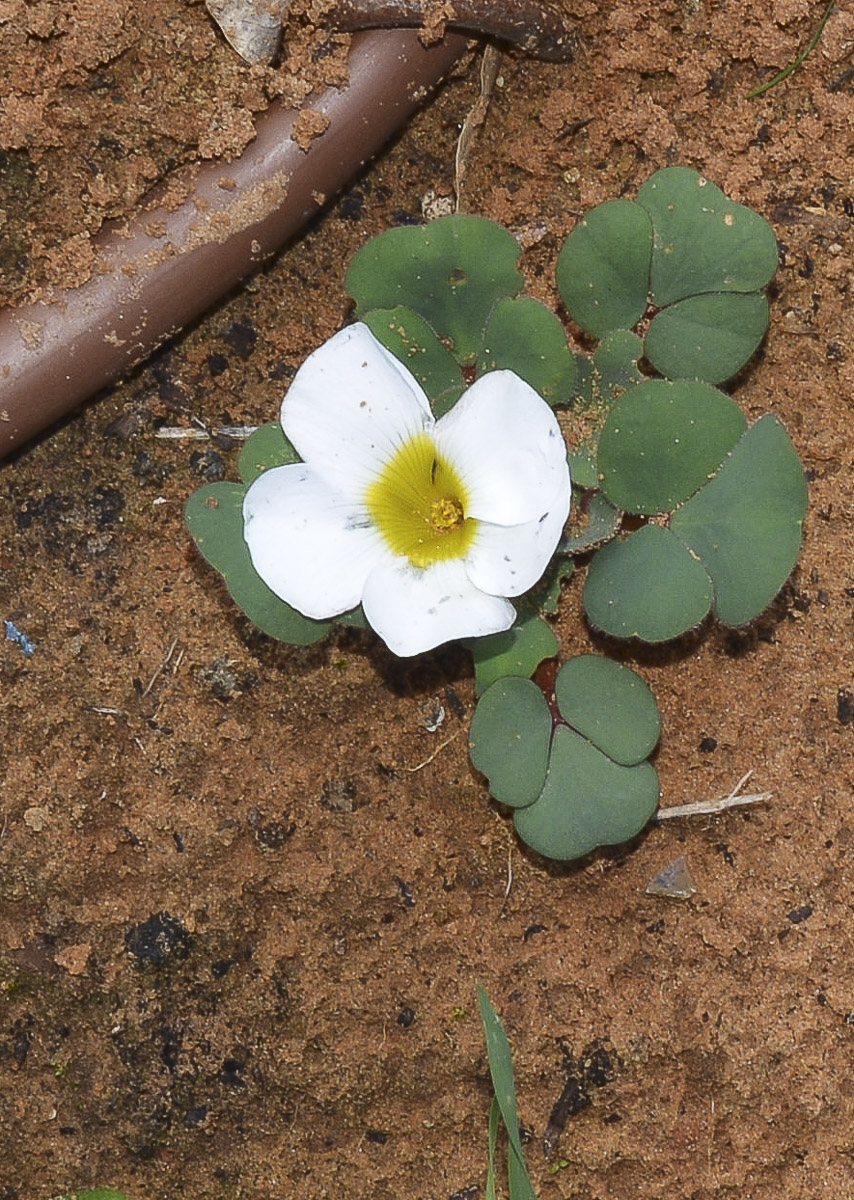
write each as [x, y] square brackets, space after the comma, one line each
[429, 525]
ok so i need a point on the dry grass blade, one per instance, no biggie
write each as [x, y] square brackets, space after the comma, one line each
[710, 807]
[475, 118]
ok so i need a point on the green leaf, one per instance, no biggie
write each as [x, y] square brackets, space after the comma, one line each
[583, 388]
[517, 651]
[490, 1192]
[663, 440]
[601, 380]
[733, 543]
[545, 597]
[584, 790]
[588, 800]
[93, 1194]
[214, 515]
[519, 1186]
[603, 268]
[410, 339]
[746, 524]
[452, 272]
[602, 520]
[707, 337]
[354, 619]
[509, 740]
[703, 242]
[524, 336]
[615, 364]
[610, 705]
[504, 1086]
[583, 470]
[647, 586]
[267, 447]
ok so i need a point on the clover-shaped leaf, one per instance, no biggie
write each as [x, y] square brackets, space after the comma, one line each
[582, 466]
[214, 515]
[745, 525]
[452, 272]
[702, 241]
[610, 705]
[615, 364]
[509, 740]
[267, 447]
[683, 254]
[603, 268]
[408, 336]
[707, 337]
[526, 337]
[647, 586]
[576, 776]
[731, 546]
[711, 259]
[519, 650]
[599, 381]
[662, 441]
[588, 800]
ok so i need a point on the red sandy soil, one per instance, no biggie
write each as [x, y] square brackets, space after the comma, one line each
[245, 894]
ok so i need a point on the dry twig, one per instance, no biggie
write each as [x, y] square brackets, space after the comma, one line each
[710, 807]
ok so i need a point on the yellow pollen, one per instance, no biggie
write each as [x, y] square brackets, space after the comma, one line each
[446, 515]
[419, 504]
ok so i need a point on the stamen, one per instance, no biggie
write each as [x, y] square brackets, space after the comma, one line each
[446, 515]
[419, 505]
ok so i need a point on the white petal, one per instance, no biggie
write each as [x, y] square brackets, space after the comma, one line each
[350, 407]
[308, 545]
[415, 609]
[506, 445]
[508, 560]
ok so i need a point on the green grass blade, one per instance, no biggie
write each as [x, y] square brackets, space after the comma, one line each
[93, 1194]
[518, 1180]
[793, 66]
[490, 1192]
[504, 1086]
[500, 1067]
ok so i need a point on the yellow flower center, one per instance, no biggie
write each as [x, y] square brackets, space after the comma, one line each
[419, 504]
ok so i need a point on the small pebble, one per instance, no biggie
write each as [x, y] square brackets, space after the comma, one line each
[431, 713]
[159, 941]
[797, 915]
[36, 818]
[674, 881]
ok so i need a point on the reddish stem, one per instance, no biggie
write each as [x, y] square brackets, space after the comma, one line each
[545, 677]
